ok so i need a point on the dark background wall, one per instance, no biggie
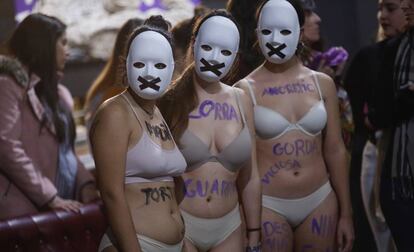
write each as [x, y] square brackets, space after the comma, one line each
[348, 23]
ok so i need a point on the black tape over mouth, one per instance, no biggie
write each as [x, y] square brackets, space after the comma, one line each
[149, 84]
[277, 50]
[211, 68]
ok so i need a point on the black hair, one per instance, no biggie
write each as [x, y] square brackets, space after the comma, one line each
[250, 56]
[33, 43]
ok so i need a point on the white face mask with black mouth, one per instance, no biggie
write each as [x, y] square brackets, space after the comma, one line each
[150, 65]
[278, 31]
[215, 48]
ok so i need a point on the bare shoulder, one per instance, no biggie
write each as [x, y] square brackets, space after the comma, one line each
[242, 84]
[326, 83]
[242, 92]
[113, 114]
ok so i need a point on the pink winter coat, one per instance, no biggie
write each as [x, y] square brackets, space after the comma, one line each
[28, 152]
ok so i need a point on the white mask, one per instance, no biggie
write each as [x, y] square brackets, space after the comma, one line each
[278, 31]
[150, 65]
[215, 48]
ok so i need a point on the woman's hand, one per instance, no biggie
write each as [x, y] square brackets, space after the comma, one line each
[89, 193]
[345, 234]
[67, 205]
[254, 244]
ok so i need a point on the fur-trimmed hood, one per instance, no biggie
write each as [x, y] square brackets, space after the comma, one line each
[13, 68]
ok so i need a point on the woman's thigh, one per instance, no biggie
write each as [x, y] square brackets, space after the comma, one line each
[318, 231]
[232, 243]
[188, 246]
[277, 234]
[110, 249]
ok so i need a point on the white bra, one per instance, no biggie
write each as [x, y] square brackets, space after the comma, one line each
[270, 124]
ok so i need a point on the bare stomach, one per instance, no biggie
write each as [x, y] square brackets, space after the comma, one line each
[155, 212]
[210, 191]
[291, 167]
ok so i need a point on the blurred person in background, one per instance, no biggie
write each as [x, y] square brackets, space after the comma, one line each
[360, 81]
[331, 62]
[182, 38]
[391, 110]
[110, 81]
[38, 166]
[250, 57]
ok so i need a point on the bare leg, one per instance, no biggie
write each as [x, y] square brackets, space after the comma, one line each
[189, 247]
[277, 234]
[232, 243]
[110, 249]
[318, 231]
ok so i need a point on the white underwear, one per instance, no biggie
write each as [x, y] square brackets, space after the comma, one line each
[205, 233]
[295, 211]
[147, 244]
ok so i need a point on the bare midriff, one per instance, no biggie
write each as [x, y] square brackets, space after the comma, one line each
[292, 165]
[210, 191]
[154, 211]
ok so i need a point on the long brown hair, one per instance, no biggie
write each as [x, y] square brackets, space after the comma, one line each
[182, 98]
[108, 79]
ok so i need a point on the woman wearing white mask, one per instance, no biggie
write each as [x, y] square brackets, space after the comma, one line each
[213, 123]
[300, 152]
[135, 155]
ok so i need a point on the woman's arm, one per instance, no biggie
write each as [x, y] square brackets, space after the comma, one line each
[109, 138]
[334, 153]
[248, 181]
[85, 183]
[14, 161]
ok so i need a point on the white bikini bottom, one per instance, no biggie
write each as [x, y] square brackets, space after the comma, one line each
[205, 233]
[147, 244]
[295, 211]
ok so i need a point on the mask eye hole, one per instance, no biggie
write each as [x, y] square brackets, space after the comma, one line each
[160, 65]
[285, 32]
[138, 64]
[266, 32]
[226, 52]
[206, 48]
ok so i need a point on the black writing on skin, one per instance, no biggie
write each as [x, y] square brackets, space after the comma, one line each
[159, 131]
[162, 193]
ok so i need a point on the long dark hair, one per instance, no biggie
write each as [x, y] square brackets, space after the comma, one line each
[33, 43]
[250, 56]
[107, 79]
[182, 98]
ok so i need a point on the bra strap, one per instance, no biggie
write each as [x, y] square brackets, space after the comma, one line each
[132, 108]
[241, 110]
[251, 93]
[315, 79]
